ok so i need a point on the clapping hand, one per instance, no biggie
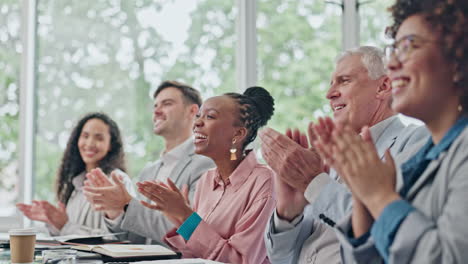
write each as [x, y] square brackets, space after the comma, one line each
[43, 211]
[108, 195]
[355, 158]
[168, 199]
[291, 158]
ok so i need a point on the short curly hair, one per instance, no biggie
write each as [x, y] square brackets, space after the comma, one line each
[450, 18]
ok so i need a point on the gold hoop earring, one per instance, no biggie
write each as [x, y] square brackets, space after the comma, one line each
[233, 150]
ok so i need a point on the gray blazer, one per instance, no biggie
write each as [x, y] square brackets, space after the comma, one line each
[436, 231]
[142, 222]
[313, 241]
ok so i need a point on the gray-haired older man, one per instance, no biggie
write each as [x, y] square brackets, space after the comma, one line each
[309, 200]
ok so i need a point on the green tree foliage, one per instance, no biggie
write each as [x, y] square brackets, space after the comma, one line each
[209, 62]
[102, 55]
[296, 46]
[374, 19]
[93, 56]
[10, 51]
[298, 41]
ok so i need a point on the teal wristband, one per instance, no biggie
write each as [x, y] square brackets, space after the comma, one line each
[188, 227]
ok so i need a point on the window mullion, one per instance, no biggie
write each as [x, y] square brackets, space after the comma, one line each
[27, 103]
[246, 49]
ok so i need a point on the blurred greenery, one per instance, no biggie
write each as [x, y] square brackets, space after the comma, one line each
[93, 57]
[10, 52]
[101, 55]
[296, 49]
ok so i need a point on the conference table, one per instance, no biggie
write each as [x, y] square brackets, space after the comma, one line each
[88, 258]
[48, 243]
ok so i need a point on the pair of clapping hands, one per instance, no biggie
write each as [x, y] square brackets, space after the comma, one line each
[108, 194]
[353, 156]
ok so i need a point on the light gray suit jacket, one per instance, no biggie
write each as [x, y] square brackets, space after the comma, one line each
[436, 232]
[313, 241]
[142, 222]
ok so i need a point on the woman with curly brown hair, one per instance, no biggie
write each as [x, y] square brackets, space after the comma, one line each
[95, 142]
[415, 211]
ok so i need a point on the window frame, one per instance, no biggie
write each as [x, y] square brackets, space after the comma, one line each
[246, 75]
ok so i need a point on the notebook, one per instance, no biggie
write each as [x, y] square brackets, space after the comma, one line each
[129, 251]
[79, 239]
[181, 261]
[43, 240]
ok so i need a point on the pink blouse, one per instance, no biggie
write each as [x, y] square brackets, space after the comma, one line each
[234, 215]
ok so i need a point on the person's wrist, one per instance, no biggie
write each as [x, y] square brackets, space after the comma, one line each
[126, 201]
[358, 203]
[377, 203]
[60, 224]
[302, 186]
[314, 175]
[184, 215]
[112, 215]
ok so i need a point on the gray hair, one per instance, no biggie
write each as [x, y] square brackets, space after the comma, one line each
[372, 58]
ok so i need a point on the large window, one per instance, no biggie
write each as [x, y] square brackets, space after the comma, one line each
[297, 43]
[207, 60]
[110, 55]
[10, 57]
[374, 18]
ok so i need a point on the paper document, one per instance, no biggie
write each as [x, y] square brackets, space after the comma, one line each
[180, 261]
[80, 239]
[117, 251]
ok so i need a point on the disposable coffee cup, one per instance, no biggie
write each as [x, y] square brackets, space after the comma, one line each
[22, 243]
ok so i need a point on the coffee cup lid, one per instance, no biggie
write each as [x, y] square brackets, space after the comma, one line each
[22, 232]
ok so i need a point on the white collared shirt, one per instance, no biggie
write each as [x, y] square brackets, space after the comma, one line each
[378, 129]
[170, 159]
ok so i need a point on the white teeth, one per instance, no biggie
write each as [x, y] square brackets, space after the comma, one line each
[198, 135]
[399, 83]
[339, 107]
[156, 122]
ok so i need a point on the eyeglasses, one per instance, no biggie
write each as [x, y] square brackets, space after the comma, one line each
[404, 47]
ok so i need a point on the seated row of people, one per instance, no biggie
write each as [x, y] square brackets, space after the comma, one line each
[361, 188]
[407, 209]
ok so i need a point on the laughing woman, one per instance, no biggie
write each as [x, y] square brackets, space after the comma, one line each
[423, 219]
[95, 142]
[232, 202]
